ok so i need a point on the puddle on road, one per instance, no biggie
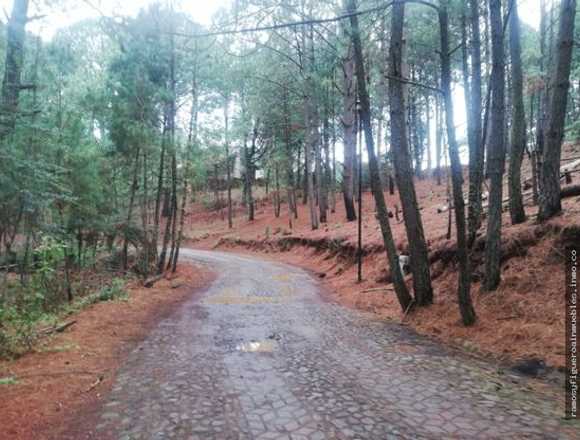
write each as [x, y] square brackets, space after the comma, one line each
[257, 346]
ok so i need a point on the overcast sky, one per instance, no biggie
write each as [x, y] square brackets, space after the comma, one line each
[66, 12]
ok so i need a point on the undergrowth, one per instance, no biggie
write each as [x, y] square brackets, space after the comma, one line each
[27, 306]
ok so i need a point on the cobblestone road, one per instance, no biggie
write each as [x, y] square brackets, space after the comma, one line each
[261, 356]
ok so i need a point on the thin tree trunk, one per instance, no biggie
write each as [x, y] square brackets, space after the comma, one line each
[428, 120]
[191, 142]
[466, 309]
[496, 151]
[349, 133]
[402, 164]
[550, 200]
[228, 164]
[333, 173]
[438, 139]
[170, 221]
[292, 206]
[277, 192]
[324, 172]
[312, 140]
[518, 127]
[542, 98]
[476, 145]
[160, 182]
[401, 291]
[130, 209]
[174, 211]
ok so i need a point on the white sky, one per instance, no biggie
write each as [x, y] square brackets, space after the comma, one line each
[66, 12]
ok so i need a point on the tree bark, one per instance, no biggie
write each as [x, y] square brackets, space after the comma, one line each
[312, 136]
[518, 127]
[550, 202]
[438, 139]
[401, 291]
[349, 133]
[130, 210]
[191, 143]
[476, 146]
[228, 164]
[496, 151]
[466, 309]
[325, 171]
[402, 164]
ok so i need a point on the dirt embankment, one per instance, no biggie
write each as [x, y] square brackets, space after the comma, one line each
[71, 372]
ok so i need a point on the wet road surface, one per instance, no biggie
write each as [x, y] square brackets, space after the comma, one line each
[259, 355]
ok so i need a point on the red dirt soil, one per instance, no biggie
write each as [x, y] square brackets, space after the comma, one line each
[524, 318]
[71, 372]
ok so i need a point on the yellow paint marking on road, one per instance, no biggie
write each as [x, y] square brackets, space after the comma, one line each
[282, 277]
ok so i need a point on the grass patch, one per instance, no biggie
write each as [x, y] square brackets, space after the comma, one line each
[11, 380]
[58, 348]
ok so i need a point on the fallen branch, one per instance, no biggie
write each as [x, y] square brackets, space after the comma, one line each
[505, 318]
[58, 373]
[407, 310]
[95, 383]
[150, 281]
[570, 191]
[376, 289]
[57, 329]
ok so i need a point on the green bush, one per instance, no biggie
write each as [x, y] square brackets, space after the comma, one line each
[115, 291]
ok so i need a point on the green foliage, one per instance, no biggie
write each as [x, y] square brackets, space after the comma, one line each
[113, 292]
[8, 380]
[23, 308]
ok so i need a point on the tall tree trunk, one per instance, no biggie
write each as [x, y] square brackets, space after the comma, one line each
[463, 292]
[401, 291]
[277, 191]
[130, 210]
[496, 151]
[550, 202]
[543, 93]
[428, 128]
[402, 163]
[320, 178]
[15, 37]
[333, 172]
[191, 143]
[325, 171]
[228, 161]
[291, 192]
[168, 226]
[160, 184]
[309, 148]
[172, 109]
[476, 145]
[518, 127]
[312, 140]
[250, 171]
[173, 210]
[438, 139]
[349, 133]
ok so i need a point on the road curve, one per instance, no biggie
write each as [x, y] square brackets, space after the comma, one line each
[259, 355]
